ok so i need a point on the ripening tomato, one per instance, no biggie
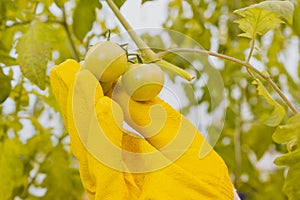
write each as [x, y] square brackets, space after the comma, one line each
[143, 82]
[106, 60]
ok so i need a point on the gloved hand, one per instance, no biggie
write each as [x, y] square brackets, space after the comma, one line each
[114, 164]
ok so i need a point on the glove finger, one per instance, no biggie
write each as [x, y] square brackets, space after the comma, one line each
[97, 122]
[94, 114]
[158, 122]
[61, 77]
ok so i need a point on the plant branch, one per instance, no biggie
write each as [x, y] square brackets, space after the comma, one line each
[240, 62]
[251, 51]
[149, 54]
[284, 98]
[24, 23]
[47, 155]
[237, 152]
[178, 70]
[65, 25]
[20, 92]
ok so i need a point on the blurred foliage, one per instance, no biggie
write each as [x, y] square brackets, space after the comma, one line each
[35, 159]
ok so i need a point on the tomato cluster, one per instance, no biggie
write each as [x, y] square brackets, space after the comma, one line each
[108, 61]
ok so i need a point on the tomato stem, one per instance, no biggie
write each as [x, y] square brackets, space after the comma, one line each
[66, 27]
[251, 50]
[179, 71]
[149, 54]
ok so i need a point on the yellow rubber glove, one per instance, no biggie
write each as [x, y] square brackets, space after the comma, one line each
[116, 164]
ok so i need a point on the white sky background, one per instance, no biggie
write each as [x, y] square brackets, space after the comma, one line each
[150, 14]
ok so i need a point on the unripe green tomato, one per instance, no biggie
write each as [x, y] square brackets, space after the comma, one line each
[106, 60]
[143, 82]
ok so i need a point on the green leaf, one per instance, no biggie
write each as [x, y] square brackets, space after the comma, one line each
[296, 19]
[63, 46]
[278, 113]
[288, 158]
[97, 4]
[20, 95]
[83, 17]
[47, 3]
[257, 133]
[34, 51]
[260, 18]
[41, 142]
[285, 9]
[289, 131]
[13, 158]
[15, 124]
[60, 3]
[257, 21]
[20, 9]
[291, 186]
[3, 11]
[7, 39]
[119, 3]
[6, 59]
[144, 1]
[271, 188]
[62, 181]
[5, 86]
